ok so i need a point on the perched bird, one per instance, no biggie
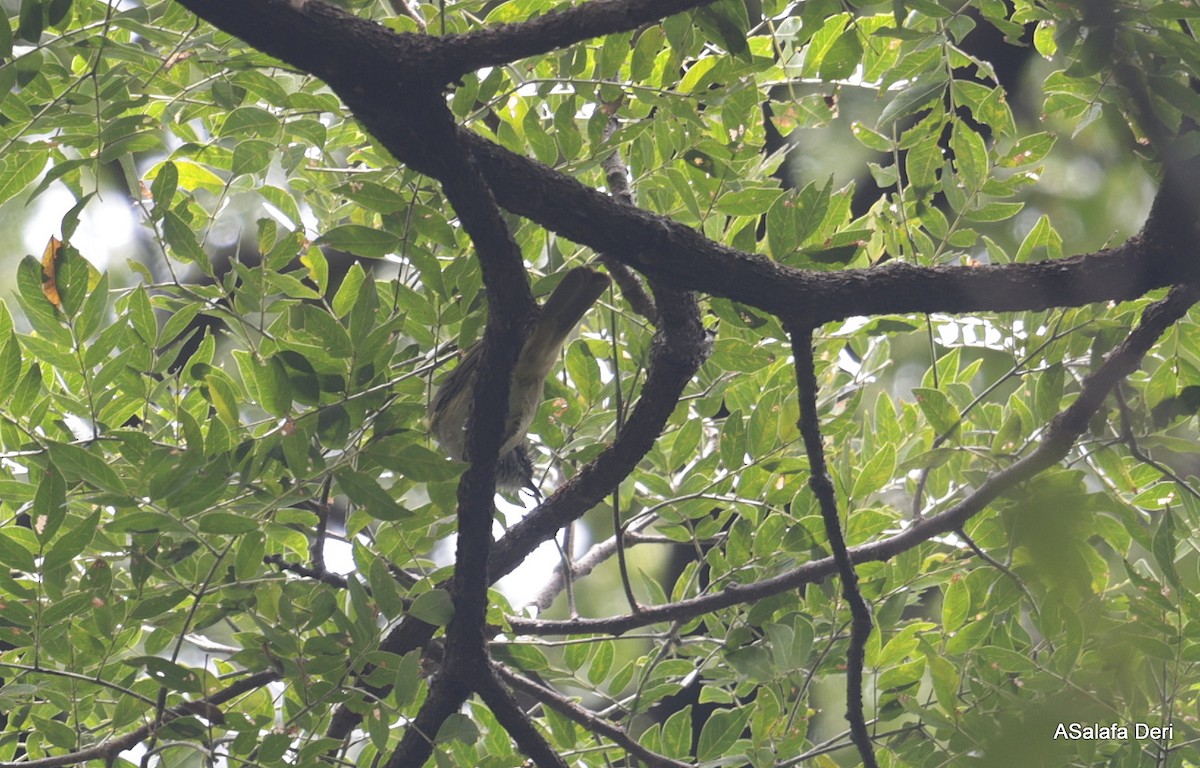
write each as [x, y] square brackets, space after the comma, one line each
[450, 407]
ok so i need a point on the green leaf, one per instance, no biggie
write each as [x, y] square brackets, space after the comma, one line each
[602, 661]
[843, 57]
[1041, 236]
[363, 490]
[422, 465]
[10, 366]
[175, 677]
[1164, 548]
[14, 554]
[79, 463]
[433, 607]
[73, 540]
[360, 240]
[251, 121]
[141, 316]
[227, 523]
[347, 295]
[6, 40]
[970, 155]
[49, 504]
[912, 99]
[251, 157]
[720, 731]
[31, 20]
[677, 734]
[275, 387]
[373, 196]
[248, 559]
[19, 168]
[748, 202]
[182, 239]
[726, 23]
[956, 604]
[938, 409]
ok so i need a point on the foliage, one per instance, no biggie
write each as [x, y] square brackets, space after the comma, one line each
[186, 436]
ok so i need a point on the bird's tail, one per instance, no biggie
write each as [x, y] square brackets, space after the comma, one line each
[571, 298]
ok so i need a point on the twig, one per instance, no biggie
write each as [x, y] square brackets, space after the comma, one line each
[589, 720]
[110, 749]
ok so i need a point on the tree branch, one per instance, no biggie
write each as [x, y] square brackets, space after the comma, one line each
[506, 43]
[680, 346]
[107, 750]
[518, 724]
[1058, 439]
[822, 487]
[617, 177]
[589, 720]
[446, 695]
[372, 70]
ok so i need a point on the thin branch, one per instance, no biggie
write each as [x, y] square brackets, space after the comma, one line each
[589, 720]
[323, 576]
[518, 724]
[985, 557]
[617, 176]
[581, 566]
[107, 750]
[1056, 442]
[321, 507]
[1135, 449]
[940, 440]
[822, 488]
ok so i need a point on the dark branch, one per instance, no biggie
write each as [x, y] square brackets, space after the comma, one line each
[518, 724]
[681, 256]
[108, 750]
[589, 720]
[510, 309]
[446, 695]
[679, 348]
[632, 288]
[822, 487]
[506, 43]
[1060, 436]
[375, 71]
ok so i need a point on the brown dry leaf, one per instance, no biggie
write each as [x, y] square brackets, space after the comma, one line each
[50, 258]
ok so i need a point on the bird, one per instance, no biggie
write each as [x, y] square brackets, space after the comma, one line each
[449, 409]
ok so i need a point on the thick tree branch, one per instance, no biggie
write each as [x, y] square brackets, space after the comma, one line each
[505, 43]
[446, 695]
[510, 309]
[1060, 436]
[822, 487]
[373, 70]
[681, 256]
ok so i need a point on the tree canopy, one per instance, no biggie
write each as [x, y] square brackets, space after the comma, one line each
[880, 449]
